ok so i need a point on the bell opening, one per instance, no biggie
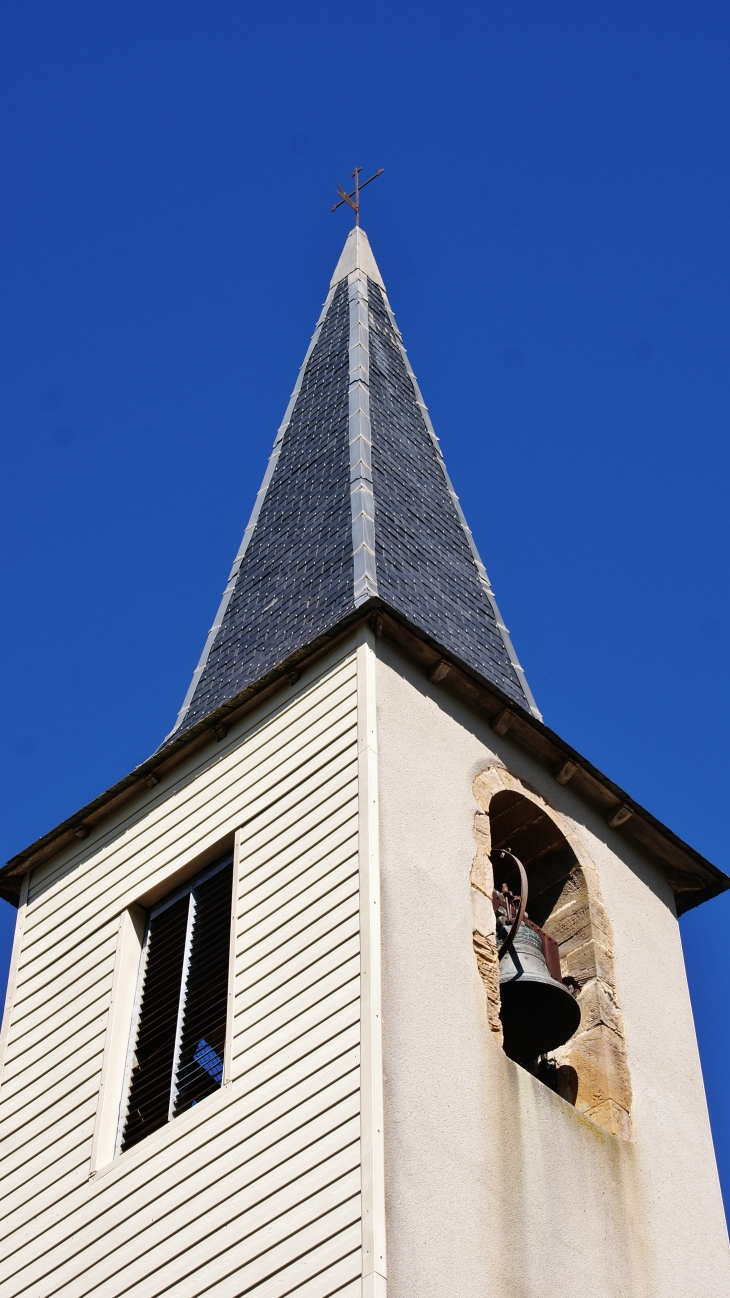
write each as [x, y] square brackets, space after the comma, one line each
[539, 1007]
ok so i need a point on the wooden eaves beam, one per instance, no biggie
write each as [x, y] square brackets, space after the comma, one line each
[692, 878]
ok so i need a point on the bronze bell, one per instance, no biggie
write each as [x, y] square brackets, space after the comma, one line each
[538, 1011]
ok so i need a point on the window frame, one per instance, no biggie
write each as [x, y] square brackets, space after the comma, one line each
[229, 858]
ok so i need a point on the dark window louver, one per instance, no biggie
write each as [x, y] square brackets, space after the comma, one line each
[181, 1022]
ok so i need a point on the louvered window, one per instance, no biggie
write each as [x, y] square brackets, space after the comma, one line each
[178, 1035]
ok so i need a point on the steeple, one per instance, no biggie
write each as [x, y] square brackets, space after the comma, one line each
[356, 509]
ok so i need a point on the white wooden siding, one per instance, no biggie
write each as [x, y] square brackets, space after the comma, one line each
[258, 1187]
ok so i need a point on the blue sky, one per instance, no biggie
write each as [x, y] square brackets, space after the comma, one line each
[552, 226]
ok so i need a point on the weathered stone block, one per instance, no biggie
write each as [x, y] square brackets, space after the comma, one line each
[574, 889]
[485, 920]
[597, 1005]
[599, 1058]
[489, 782]
[570, 925]
[483, 831]
[586, 962]
[485, 949]
[482, 874]
[612, 1118]
[601, 925]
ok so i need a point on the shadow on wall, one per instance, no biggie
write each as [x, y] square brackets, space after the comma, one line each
[590, 1070]
[8, 916]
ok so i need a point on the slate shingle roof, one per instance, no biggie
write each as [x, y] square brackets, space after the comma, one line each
[356, 439]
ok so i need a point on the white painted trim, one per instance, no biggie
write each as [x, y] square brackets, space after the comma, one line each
[163, 1136]
[253, 520]
[130, 937]
[231, 1007]
[193, 880]
[13, 973]
[371, 1072]
[481, 570]
[362, 501]
[182, 1003]
[167, 901]
[132, 1039]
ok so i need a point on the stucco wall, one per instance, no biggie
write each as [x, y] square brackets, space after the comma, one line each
[494, 1185]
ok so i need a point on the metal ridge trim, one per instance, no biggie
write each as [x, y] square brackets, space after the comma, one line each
[362, 501]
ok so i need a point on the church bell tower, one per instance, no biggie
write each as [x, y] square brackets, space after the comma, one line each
[366, 983]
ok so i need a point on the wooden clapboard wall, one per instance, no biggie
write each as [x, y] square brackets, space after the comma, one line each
[257, 1189]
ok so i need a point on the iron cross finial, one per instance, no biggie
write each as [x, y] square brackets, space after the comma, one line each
[354, 198]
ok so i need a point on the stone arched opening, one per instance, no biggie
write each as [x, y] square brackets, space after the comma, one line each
[565, 900]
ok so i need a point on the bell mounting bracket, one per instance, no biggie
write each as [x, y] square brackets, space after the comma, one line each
[520, 910]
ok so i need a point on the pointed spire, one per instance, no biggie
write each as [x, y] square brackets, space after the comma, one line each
[357, 255]
[356, 508]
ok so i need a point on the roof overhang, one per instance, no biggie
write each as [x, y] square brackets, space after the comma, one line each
[692, 878]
